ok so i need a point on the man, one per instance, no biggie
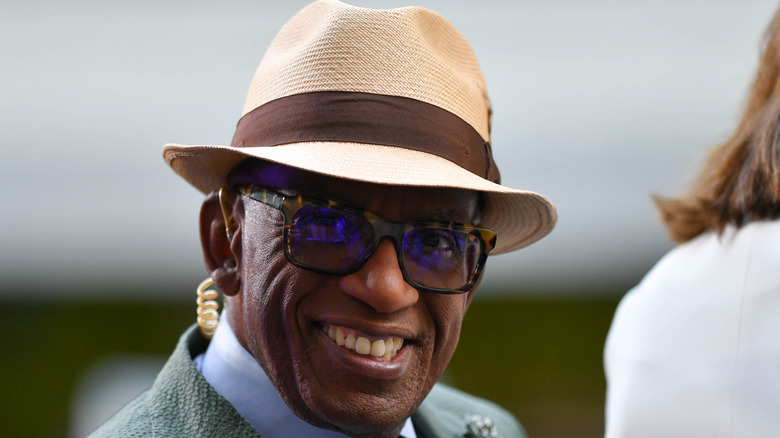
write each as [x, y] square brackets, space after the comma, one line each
[347, 227]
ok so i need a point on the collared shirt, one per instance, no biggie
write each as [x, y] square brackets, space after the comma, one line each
[235, 374]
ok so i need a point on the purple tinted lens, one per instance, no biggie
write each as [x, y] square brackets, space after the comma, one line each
[328, 239]
[441, 258]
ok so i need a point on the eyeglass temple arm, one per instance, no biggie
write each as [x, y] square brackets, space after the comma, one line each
[263, 195]
[225, 213]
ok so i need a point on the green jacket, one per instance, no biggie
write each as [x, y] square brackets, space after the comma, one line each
[181, 403]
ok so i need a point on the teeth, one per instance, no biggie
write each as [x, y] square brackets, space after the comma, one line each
[386, 349]
[378, 348]
[362, 346]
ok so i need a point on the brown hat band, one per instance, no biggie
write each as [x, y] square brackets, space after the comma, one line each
[367, 118]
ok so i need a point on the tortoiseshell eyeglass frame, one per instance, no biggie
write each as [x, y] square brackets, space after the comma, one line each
[290, 205]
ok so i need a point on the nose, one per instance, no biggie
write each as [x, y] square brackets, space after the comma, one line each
[380, 282]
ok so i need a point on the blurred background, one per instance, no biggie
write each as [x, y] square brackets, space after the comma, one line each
[597, 105]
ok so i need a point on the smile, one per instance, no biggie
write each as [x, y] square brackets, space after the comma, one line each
[386, 349]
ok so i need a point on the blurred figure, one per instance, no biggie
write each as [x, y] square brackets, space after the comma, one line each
[694, 349]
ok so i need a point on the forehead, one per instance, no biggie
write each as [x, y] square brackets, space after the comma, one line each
[391, 202]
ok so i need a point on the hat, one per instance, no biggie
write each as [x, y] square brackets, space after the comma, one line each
[383, 96]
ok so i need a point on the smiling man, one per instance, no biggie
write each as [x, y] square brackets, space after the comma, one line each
[347, 227]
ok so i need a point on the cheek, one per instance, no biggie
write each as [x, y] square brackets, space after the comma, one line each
[264, 271]
[272, 291]
[263, 264]
[447, 312]
[262, 233]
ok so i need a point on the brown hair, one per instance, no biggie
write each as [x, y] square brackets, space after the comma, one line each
[740, 182]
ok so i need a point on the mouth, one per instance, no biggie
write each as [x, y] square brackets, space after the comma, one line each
[384, 349]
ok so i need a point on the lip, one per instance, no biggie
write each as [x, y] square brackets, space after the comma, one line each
[366, 365]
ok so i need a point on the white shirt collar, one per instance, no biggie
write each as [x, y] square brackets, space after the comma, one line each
[235, 374]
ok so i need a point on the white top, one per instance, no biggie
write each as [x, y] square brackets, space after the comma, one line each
[235, 374]
[694, 349]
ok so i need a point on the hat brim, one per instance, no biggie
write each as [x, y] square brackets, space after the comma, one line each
[518, 217]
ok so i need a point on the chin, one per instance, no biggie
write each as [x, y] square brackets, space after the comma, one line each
[360, 416]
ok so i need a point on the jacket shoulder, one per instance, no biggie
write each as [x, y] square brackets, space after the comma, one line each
[180, 403]
[449, 412]
[131, 421]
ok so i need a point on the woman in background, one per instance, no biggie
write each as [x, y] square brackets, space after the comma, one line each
[694, 349]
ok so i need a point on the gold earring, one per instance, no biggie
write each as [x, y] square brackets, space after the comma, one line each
[208, 308]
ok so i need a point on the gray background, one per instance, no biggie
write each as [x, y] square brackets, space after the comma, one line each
[597, 105]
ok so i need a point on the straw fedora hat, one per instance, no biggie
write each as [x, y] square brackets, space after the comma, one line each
[384, 96]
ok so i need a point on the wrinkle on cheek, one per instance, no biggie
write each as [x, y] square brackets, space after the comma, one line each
[262, 238]
[272, 302]
[289, 302]
[263, 259]
[447, 312]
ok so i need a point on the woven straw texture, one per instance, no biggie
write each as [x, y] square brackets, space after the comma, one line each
[408, 52]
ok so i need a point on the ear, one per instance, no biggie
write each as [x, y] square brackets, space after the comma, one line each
[222, 251]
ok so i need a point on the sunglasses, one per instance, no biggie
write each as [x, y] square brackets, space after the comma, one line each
[324, 236]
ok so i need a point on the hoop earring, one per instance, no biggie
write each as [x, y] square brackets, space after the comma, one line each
[208, 308]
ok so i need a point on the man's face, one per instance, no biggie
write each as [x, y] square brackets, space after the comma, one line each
[283, 314]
